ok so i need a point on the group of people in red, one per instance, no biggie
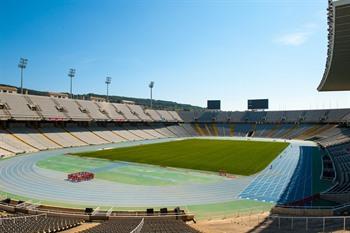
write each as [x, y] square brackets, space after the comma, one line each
[80, 176]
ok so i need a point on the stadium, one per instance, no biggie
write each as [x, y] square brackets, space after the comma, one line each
[91, 165]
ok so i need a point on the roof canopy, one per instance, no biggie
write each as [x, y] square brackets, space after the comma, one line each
[337, 73]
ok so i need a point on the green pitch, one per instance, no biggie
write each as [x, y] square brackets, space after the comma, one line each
[235, 157]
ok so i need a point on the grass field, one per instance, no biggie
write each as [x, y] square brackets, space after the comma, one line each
[235, 157]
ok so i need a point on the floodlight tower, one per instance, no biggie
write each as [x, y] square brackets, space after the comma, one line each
[108, 81]
[71, 74]
[151, 85]
[22, 65]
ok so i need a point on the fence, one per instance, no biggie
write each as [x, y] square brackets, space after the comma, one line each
[320, 224]
[296, 224]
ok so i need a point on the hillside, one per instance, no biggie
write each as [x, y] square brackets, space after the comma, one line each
[157, 104]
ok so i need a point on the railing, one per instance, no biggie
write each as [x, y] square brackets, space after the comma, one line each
[245, 212]
[139, 227]
[278, 223]
[316, 207]
[13, 219]
[145, 215]
[323, 224]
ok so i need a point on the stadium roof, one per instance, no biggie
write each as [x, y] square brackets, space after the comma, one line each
[337, 73]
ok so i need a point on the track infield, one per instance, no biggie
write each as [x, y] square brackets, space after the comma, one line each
[235, 157]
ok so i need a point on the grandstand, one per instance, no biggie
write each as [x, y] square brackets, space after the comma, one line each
[23, 223]
[305, 187]
[301, 175]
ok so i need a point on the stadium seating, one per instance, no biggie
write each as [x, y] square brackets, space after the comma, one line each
[151, 225]
[73, 110]
[127, 113]
[5, 153]
[61, 137]
[85, 135]
[337, 115]
[242, 130]
[164, 130]
[341, 158]
[222, 117]
[18, 107]
[107, 134]
[38, 223]
[274, 116]
[207, 116]
[111, 111]
[213, 130]
[178, 131]
[13, 144]
[154, 115]
[165, 115]
[262, 129]
[202, 129]
[282, 130]
[175, 116]
[124, 133]
[189, 129]
[139, 112]
[236, 116]
[149, 130]
[187, 116]
[254, 116]
[122, 225]
[139, 132]
[48, 109]
[34, 138]
[92, 109]
[315, 115]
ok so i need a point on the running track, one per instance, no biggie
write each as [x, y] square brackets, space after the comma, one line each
[21, 176]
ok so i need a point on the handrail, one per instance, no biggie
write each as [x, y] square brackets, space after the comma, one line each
[25, 217]
[152, 216]
[138, 228]
[308, 217]
[96, 211]
[108, 213]
[316, 207]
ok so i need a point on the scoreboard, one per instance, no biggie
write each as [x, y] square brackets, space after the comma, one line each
[214, 104]
[258, 104]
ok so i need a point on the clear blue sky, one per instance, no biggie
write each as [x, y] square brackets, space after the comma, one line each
[193, 50]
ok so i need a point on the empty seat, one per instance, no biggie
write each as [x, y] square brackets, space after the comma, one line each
[137, 109]
[73, 110]
[19, 107]
[93, 110]
[48, 109]
[110, 110]
[123, 109]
